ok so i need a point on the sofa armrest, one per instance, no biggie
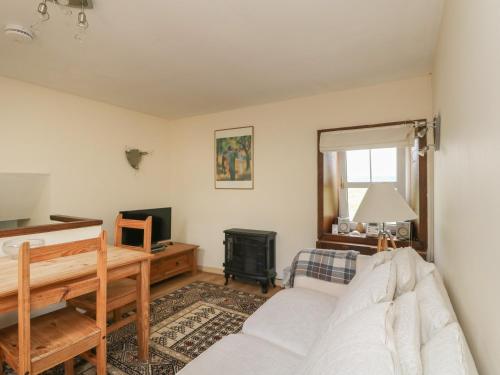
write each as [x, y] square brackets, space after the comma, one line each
[334, 289]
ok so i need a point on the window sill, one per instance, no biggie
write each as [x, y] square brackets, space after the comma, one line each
[366, 245]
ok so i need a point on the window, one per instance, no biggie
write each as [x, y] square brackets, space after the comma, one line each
[352, 158]
[360, 168]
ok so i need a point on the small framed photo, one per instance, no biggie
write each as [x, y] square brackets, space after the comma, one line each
[373, 229]
[234, 158]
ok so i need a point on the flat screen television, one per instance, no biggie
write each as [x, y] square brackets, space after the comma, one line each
[161, 229]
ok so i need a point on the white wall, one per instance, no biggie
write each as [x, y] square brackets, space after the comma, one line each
[467, 180]
[23, 196]
[284, 198]
[80, 143]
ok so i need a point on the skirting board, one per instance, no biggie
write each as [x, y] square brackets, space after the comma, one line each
[220, 271]
[216, 270]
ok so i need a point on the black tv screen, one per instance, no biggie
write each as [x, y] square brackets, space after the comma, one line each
[161, 230]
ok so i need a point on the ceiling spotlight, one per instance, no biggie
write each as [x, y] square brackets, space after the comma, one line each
[43, 10]
[82, 18]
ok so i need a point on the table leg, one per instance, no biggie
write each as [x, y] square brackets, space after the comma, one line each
[69, 367]
[143, 311]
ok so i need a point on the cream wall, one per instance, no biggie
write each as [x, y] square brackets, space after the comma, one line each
[467, 181]
[284, 198]
[80, 143]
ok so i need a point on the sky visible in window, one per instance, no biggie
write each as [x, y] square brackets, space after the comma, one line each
[377, 165]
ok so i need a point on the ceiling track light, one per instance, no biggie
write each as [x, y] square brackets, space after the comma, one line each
[82, 18]
[43, 10]
[82, 22]
[88, 4]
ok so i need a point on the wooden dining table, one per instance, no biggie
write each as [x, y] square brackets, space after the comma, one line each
[58, 275]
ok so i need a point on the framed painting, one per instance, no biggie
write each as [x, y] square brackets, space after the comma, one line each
[234, 158]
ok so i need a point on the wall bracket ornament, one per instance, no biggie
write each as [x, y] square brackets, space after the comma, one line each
[134, 157]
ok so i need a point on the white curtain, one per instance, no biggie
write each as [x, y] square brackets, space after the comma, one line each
[374, 137]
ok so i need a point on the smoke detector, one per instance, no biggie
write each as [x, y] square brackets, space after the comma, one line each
[18, 33]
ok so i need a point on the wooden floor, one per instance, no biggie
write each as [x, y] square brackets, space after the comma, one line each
[167, 286]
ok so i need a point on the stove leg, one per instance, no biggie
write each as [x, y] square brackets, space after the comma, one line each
[264, 286]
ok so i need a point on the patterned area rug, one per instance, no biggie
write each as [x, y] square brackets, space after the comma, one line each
[184, 324]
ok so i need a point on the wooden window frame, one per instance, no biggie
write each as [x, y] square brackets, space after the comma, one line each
[327, 240]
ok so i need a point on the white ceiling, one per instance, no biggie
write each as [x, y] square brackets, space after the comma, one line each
[175, 58]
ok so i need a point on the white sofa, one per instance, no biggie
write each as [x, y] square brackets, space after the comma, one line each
[395, 317]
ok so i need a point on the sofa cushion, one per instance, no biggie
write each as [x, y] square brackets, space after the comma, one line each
[405, 270]
[373, 287]
[447, 353]
[434, 314]
[422, 268]
[292, 319]
[382, 257]
[243, 355]
[420, 271]
[444, 293]
[364, 263]
[407, 333]
[363, 344]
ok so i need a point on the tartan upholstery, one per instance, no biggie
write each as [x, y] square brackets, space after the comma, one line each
[336, 266]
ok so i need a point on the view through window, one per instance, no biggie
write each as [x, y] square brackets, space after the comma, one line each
[362, 167]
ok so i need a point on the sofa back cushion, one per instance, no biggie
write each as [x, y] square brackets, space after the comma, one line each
[422, 268]
[444, 293]
[363, 264]
[407, 333]
[447, 353]
[382, 257]
[411, 267]
[434, 313]
[372, 287]
[362, 344]
[405, 270]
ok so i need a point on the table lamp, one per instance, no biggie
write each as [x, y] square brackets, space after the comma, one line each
[381, 204]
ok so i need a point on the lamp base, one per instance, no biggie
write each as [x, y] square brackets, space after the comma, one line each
[383, 238]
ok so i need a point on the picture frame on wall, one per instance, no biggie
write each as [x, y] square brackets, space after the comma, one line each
[234, 155]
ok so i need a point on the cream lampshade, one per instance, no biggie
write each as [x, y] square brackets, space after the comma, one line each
[381, 204]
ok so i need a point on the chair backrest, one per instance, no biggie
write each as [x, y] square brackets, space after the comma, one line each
[144, 225]
[51, 294]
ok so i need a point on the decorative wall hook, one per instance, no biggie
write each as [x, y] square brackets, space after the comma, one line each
[134, 157]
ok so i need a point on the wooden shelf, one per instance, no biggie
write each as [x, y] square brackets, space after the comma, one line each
[365, 248]
[367, 241]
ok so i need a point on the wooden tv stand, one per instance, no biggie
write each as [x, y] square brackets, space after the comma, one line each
[174, 260]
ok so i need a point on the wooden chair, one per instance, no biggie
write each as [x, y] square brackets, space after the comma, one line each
[122, 292]
[35, 345]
